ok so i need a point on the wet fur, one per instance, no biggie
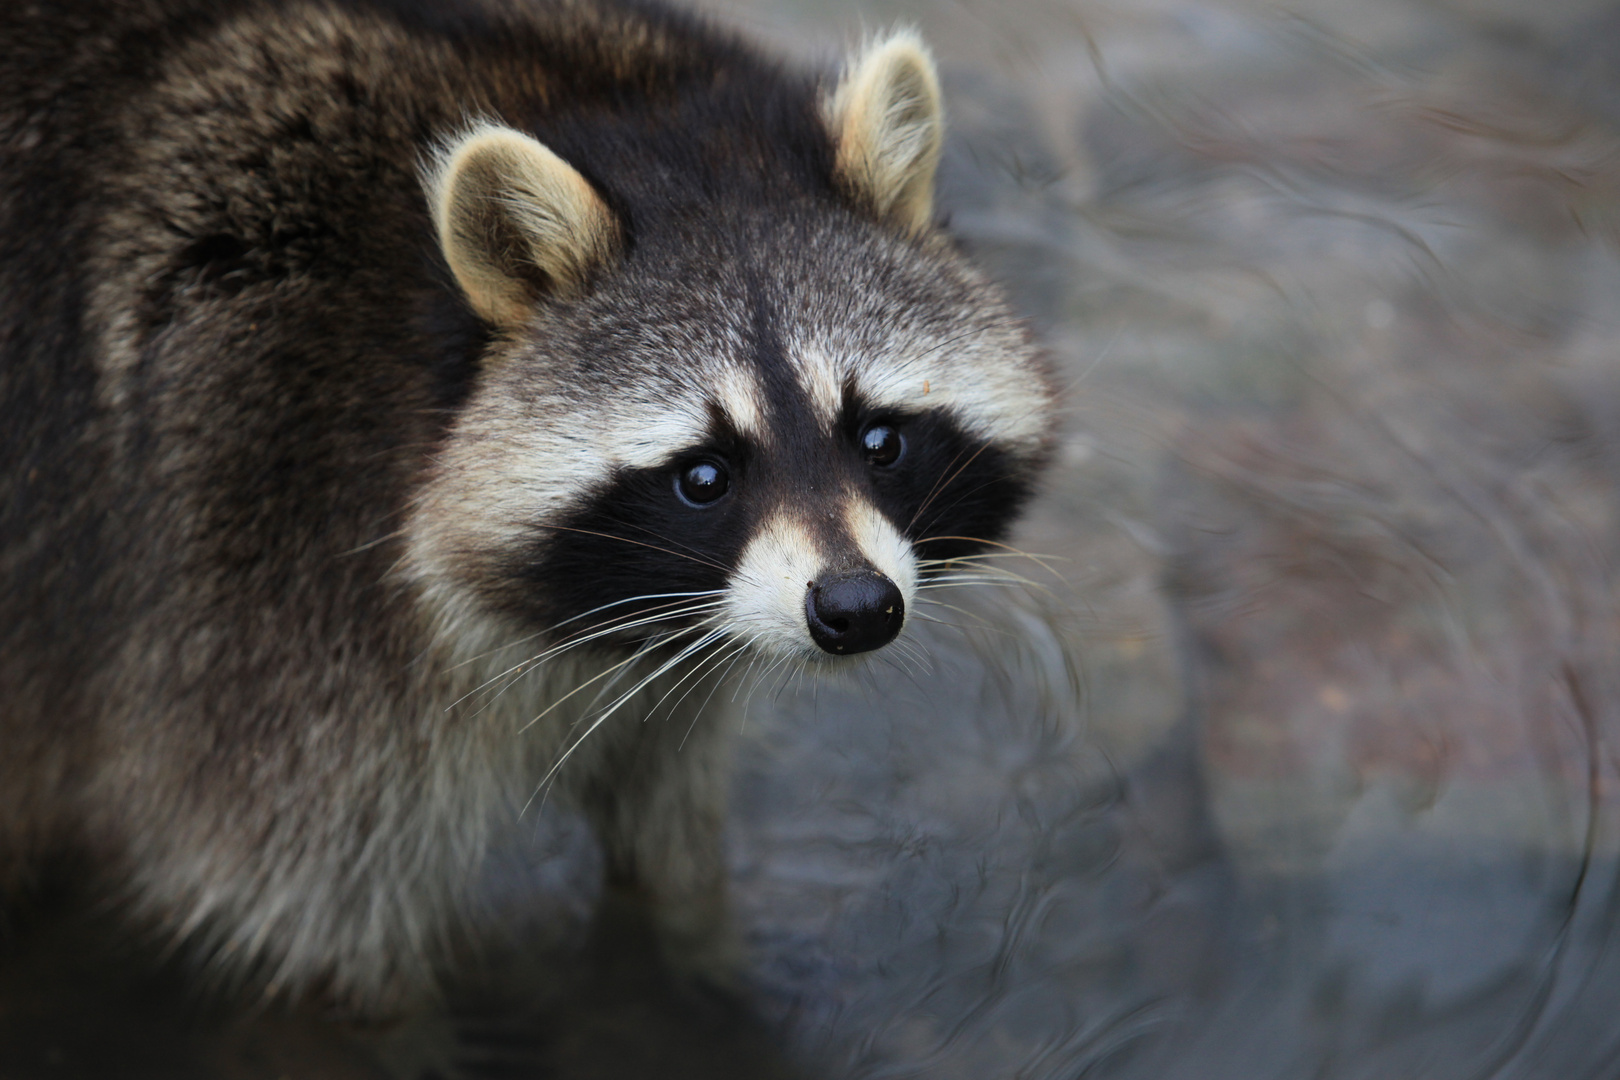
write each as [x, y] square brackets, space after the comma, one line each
[263, 536]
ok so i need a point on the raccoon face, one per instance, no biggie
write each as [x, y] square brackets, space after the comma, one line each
[769, 425]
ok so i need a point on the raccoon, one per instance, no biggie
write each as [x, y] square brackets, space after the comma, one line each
[412, 406]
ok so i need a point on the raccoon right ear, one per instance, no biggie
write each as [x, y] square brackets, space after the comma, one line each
[516, 222]
[888, 126]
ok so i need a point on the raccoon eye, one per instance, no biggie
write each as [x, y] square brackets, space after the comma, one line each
[883, 445]
[701, 483]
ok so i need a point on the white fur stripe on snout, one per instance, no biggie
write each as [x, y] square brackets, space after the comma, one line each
[765, 599]
[883, 546]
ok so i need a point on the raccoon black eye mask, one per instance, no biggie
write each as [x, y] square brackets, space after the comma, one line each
[410, 407]
[936, 493]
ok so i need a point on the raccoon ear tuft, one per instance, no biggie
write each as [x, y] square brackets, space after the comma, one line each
[887, 124]
[516, 222]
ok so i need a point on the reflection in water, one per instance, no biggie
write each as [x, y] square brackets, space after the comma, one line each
[1336, 290]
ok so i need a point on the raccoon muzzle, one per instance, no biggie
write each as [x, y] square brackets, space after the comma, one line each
[854, 612]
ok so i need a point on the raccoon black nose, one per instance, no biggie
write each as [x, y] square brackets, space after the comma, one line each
[854, 613]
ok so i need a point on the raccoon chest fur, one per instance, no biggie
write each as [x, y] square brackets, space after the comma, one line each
[409, 407]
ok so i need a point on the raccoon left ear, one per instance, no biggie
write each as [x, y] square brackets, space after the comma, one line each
[888, 125]
[515, 221]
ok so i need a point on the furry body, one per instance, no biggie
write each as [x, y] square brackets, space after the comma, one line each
[286, 484]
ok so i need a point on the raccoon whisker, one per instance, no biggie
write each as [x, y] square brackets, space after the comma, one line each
[651, 642]
[753, 663]
[935, 487]
[793, 668]
[953, 581]
[997, 582]
[620, 672]
[983, 556]
[697, 714]
[987, 575]
[982, 623]
[637, 655]
[369, 544]
[473, 659]
[707, 634]
[791, 676]
[925, 663]
[945, 483]
[540, 633]
[781, 681]
[602, 718]
[1101, 356]
[632, 600]
[912, 650]
[936, 602]
[798, 675]
[999, 573]
[627, 621]
[657, 535]
[975, 616]
[557, 626]
[890, 662]
[943, 572]
[764, 674]
[745, 649]
[984, 577]
[742, 681]
[613, 626]
[978, 556]
[961, 494]
[695, 673]
[993, 575]
[530, 665]
[893, 657]
[639, 543]
[784, 677]
[622, 623]
[905, 673]
[947, 343]
[958, 580]
[1008, 549]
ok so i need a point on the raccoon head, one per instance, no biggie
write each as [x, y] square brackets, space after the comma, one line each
[754, 406]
